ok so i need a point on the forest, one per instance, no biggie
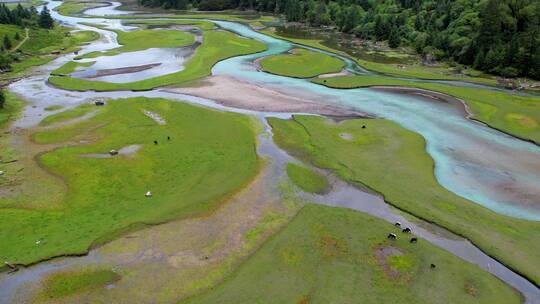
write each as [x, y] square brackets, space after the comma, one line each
[496, 36]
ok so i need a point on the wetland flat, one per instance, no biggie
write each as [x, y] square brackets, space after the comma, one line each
[149, 154]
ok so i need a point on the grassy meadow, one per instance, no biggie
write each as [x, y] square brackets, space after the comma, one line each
[144, 39]
[335, 255]
[188, 175]
[302, 63]
[393, 162]
[306, 179]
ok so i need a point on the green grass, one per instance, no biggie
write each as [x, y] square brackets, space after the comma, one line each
[144, 39]
[66, 116]
[201, 24]
[10, 31]
[218, 45]
[37, 49]
[516, 115]
[189, 175]
[327, 255]
[306, 179]
[411, 71]
[302, 64]
[392, 160]
[64, 284]
[11, 109]
[71, 67]
[43, 42]
[69, 8]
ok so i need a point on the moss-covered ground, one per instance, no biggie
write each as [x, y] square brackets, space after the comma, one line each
[393, 162]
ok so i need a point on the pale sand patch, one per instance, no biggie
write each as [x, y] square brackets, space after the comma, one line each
[155, 117]
[346, 136]
[343, 72]
[232, 92]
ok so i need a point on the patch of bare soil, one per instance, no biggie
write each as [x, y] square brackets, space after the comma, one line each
[156, 117]
[382, 253]
[330, 75]
[429, 96]
[234, 93]
[471, 289]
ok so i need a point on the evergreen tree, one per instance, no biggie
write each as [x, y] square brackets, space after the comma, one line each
[17, 36]
[394, 40]
[45, 19]
[7, 43]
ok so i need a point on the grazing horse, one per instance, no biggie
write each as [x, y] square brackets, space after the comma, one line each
[392, 236]
[433, 266]
[413, 240]
[406, 230]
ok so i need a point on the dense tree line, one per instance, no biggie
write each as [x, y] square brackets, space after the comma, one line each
[23, 17]
[497, 36]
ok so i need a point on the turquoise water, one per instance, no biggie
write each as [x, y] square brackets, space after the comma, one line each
[478, 163]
